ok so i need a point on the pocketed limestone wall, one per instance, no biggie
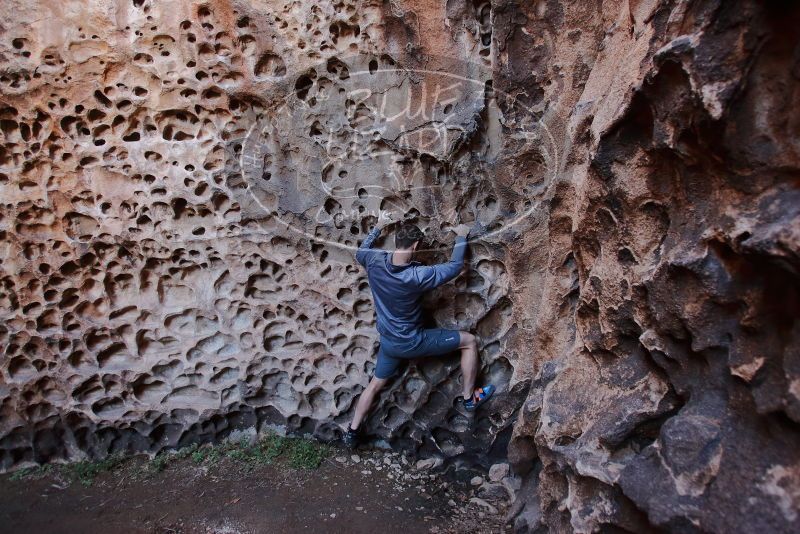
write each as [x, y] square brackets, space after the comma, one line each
[183, 185]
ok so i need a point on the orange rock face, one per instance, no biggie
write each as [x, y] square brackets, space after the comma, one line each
[183, 186]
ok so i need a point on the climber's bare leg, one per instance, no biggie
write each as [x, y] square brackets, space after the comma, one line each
[469, 362]
[365, 401]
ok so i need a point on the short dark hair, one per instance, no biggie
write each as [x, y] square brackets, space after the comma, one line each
[407, 234]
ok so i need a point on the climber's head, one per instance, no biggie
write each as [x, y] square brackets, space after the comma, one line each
[407, 237]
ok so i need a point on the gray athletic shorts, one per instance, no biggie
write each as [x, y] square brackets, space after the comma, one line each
[431, 342]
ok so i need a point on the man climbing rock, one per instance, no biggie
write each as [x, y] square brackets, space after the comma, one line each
[397, 285]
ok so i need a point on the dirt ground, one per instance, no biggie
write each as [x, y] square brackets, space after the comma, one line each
[372, 492]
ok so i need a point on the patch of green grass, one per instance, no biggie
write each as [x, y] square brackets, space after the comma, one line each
[163, 459]
[299, 453]
[85, 472]
[199, 455]
[186, 452]
[307, 454]
[238, 455]
[33, 472]
[214, 455]
[238, 451]
[209, 454]
[160, 462]
[21, 474]
[272, 446]
[250, 455]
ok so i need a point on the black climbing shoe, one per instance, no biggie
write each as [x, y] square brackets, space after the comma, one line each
[351, 438]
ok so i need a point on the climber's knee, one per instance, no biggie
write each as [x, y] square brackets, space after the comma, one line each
[468, 340]
[376, 384]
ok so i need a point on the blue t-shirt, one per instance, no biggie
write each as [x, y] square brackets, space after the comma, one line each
[397, 289]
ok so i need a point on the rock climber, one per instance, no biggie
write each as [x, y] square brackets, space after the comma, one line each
[397, 285]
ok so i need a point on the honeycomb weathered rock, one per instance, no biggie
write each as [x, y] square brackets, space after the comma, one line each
[183, 184]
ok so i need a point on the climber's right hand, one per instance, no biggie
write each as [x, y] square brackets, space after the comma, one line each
[462, 230]
[389, 223]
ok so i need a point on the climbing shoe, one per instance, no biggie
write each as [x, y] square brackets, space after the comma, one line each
[351, 438]
[480, 396]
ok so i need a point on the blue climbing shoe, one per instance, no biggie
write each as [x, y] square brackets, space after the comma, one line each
[480, 396]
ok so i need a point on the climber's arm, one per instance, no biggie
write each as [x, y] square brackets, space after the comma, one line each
[432, 276]
[364, 250]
